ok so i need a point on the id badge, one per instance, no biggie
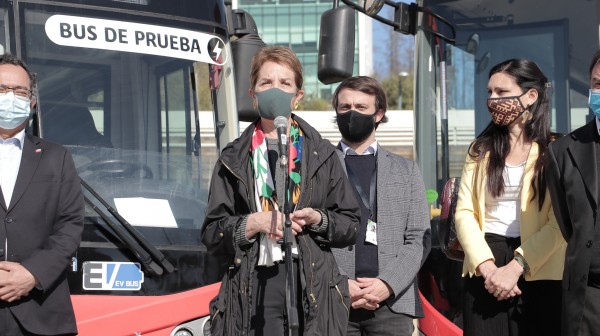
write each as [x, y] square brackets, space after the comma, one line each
[371, 236]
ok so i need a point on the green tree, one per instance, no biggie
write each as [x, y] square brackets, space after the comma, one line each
[314, 103]
[202, 87]
[393, 85]
[394, 56]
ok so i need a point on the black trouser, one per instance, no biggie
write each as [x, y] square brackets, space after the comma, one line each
[382, 321]
[535, 312]
[9, 326]
[8, 323]
[268, 301]
[542, 304]
[483, 314]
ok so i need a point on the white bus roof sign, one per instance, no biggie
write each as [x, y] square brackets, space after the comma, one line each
[83, 32]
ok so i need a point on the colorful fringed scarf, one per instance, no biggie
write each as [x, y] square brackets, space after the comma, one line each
[265, 194]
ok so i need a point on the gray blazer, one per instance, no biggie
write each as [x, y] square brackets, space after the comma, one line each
[403, 231]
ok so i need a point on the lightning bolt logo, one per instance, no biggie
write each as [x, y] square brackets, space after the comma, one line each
[217, 52]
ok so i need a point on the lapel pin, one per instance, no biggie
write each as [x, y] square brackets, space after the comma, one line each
[38, 150]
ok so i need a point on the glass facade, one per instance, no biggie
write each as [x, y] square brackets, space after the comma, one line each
[296, 24]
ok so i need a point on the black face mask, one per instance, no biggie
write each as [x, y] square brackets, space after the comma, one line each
[355, 126]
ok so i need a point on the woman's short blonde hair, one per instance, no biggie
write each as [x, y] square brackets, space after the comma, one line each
[280, 55]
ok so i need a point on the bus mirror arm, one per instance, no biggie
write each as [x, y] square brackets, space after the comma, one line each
[240, 22]
[153, 260]
[405, 17]
[245, 43]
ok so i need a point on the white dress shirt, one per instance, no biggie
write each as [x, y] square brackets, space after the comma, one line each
[11, 150]
[371, 150]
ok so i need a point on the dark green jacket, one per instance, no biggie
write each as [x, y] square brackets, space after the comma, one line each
[324, 186]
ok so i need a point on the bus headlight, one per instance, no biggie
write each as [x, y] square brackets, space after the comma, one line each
[198, 327]
[206, 328]
[183, 332]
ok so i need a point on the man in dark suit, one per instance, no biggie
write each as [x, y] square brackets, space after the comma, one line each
[394, 228]
[41, 206]
[573, 177]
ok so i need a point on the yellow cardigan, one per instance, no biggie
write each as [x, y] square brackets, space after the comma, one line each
[542, 244]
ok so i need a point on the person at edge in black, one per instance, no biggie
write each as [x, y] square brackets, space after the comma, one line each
[572, 174]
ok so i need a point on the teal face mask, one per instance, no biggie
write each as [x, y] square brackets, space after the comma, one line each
[14, 110]
[594, 102]
[274, 102]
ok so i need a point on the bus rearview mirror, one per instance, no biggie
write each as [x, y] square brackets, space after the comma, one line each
[336, 45]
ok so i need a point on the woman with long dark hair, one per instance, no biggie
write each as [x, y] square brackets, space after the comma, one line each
[514, 251]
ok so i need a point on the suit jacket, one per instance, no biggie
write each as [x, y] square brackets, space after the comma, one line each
[542, 244]
[572, 176]
[42, 229]
[403, 229]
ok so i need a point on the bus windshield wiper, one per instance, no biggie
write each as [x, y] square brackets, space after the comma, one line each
[148, 255]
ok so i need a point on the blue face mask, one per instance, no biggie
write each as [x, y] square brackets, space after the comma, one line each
[13, 111]
[594, 102]
[274, 102]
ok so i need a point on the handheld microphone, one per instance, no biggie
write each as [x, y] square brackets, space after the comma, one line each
[281, 126]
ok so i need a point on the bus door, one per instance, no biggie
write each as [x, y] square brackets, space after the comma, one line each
[470, 61]
[126, 86]
[555, 36]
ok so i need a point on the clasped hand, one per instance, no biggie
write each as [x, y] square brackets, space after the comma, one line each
[15, 281]
[501, 282]
[367, 293]
[271, 222]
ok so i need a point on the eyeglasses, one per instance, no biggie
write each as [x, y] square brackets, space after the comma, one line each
[19, 91]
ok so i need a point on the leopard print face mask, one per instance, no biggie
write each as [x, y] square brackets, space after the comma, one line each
[505, 110]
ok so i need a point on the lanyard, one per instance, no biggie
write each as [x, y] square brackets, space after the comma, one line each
[370, 203]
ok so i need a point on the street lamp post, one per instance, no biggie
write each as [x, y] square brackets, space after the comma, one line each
[401, 75]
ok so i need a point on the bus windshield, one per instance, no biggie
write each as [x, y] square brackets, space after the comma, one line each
[122, 85]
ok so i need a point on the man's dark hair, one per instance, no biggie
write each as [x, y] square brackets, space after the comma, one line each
[366, 85]
[595, 60]
[14, 60]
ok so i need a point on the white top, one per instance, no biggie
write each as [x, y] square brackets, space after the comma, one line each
[502, 214]
[10, 160]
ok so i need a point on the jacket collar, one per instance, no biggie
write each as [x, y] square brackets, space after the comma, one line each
[583, 152]
[236, 155]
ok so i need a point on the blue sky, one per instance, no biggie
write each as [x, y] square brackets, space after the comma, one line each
[381, 34]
